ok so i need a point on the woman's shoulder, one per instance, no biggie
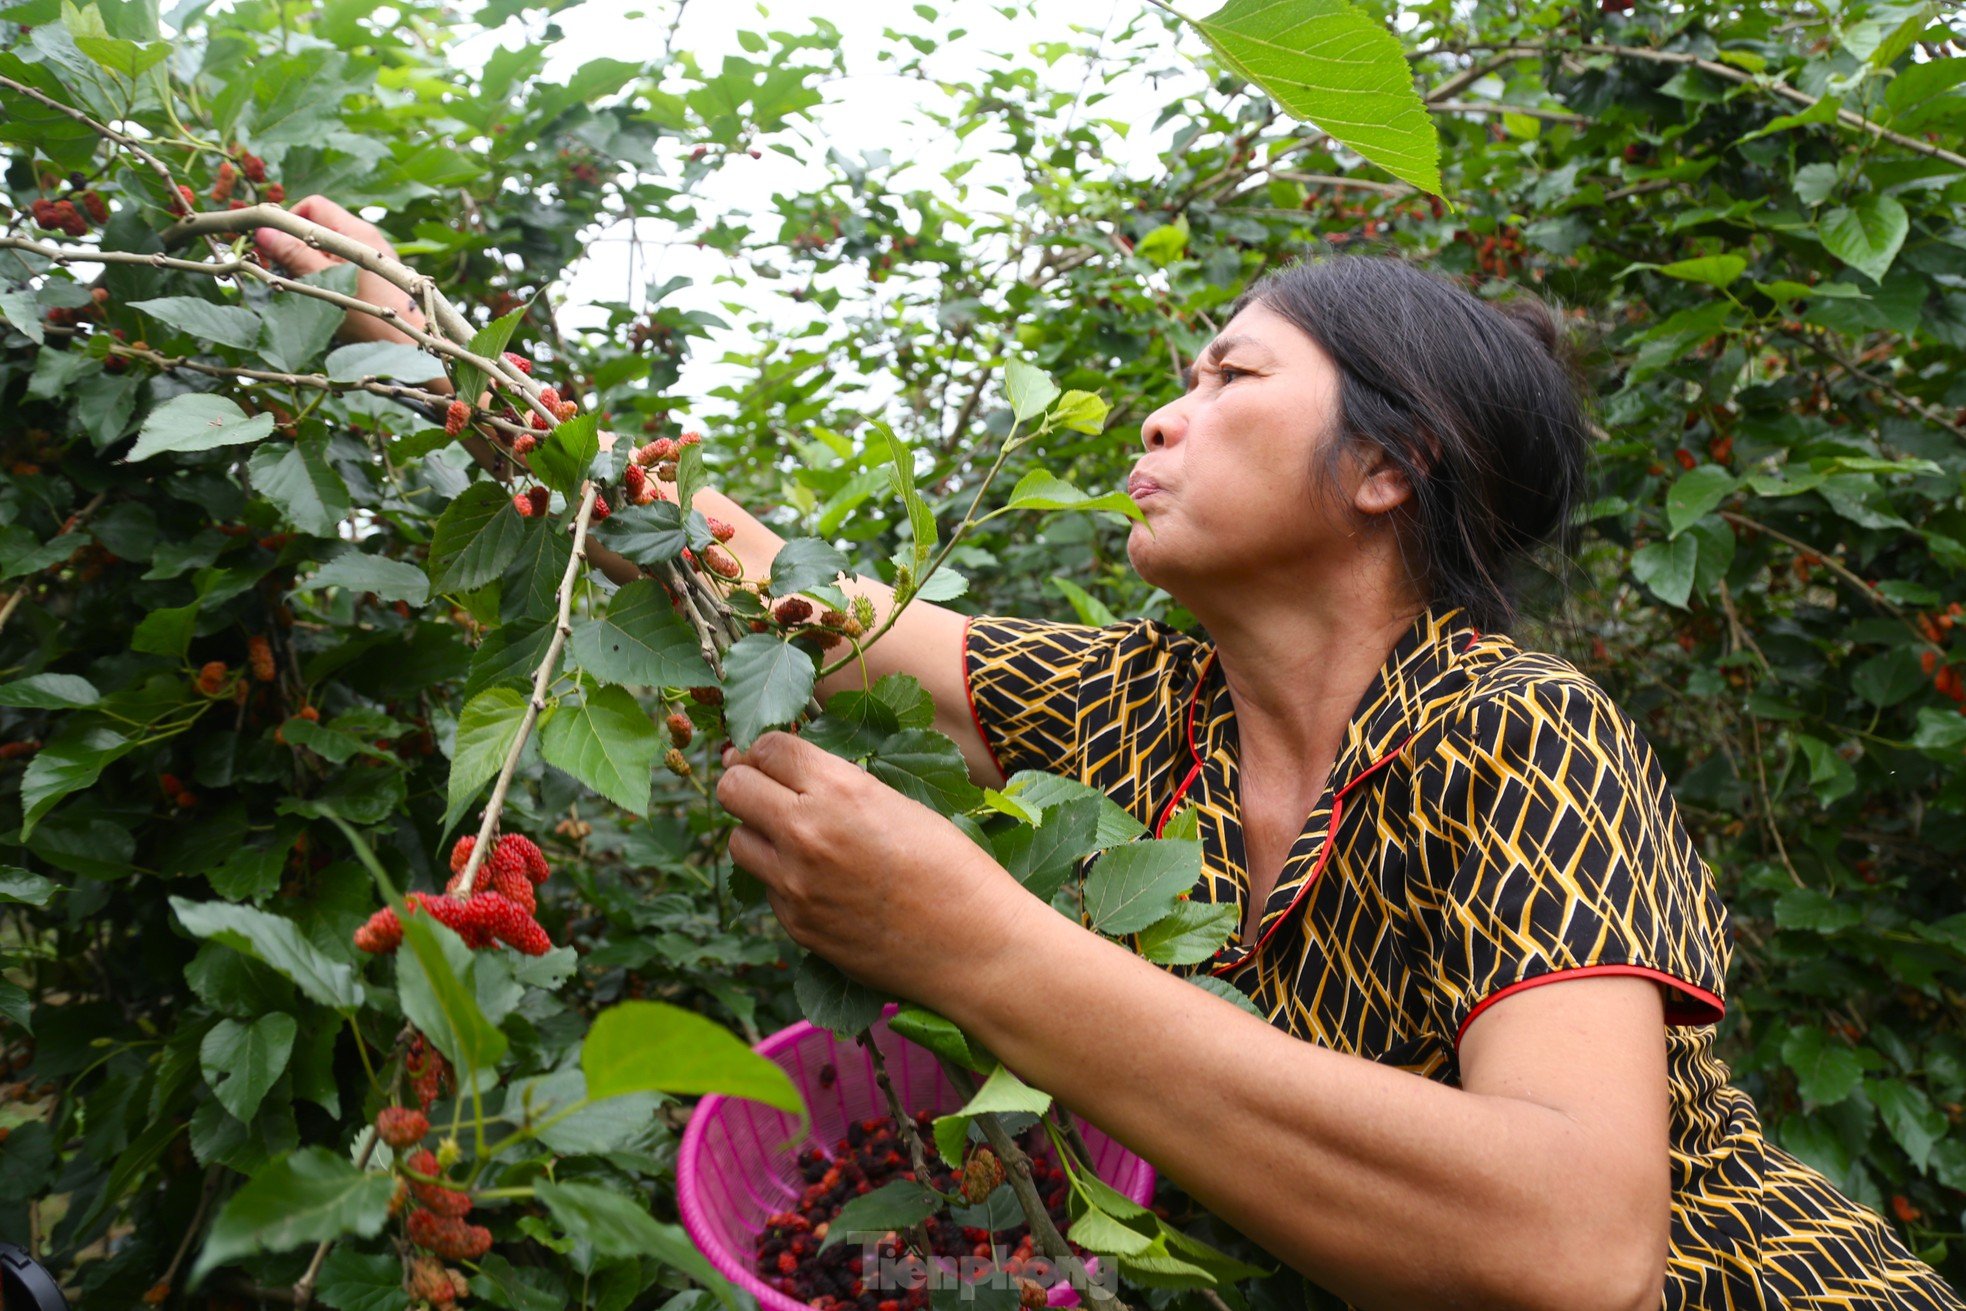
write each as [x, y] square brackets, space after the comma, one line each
[1513, 687]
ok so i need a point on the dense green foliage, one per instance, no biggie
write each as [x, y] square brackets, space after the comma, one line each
[1753, 217]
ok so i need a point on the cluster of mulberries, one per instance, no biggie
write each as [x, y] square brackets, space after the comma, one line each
[500, 908]
[873, 1154]
[60, 216]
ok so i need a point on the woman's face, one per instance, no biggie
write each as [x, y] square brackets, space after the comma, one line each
[1229, 484]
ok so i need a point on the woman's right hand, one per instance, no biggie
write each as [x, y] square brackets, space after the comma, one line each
[297, 258]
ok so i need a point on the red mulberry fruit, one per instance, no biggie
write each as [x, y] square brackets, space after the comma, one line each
[720, 530]
[531, 859]
[456, 417]
[680, 728]
[401, 1126]
[259, 654]
[792, 610]
[382, 934]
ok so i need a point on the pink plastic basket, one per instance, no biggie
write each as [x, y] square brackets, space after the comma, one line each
[738, 1164]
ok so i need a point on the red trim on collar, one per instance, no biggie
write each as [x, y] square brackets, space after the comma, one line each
[969, 695]
[1695, 1006]
[1323, 856]
[1194, 770]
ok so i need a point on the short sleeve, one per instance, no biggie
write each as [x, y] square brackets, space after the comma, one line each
[1551, 846]
[1023, 678]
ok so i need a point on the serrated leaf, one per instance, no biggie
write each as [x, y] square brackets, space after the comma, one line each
[1028, 388]
[690, 476]
[804, 562]
[49, 692]
[1826, 1072]
[197, 421]
[223, 325]
[1193, 931]
[1331, 64]
[275, 942]
[1081, 411]
[563, 456]
[296, 329]
[641, 641]
[433, 974]
[1866, 235]
[390, 580]
[647, 534]
[607, 742]
[382, 359]
[832, 999]
[651, 1046]
[1043, 858]
[766, 683]
[894, 1205]
[21, 888]
[485, 733]
[310, 1196]
[298, 478]
[361, 1281]
[901, 466]
[72, 760]
[242, 1061]
[927, 766]
[1040, 490]
[1133, 885]
[1694, 493]
[619, 1226]
[937, 1033]
[487, 343]
[1667, 568]
[476, 539]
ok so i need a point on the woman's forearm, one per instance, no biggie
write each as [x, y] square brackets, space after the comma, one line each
[1387, 1188]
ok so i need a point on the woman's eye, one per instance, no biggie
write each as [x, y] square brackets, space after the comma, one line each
[1227, 370]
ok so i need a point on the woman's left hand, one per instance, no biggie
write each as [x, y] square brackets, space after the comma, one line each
[874, 881]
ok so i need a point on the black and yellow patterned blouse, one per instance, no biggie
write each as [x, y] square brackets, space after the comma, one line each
[1492, 822]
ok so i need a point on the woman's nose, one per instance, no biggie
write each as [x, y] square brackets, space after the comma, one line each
[1162, 427]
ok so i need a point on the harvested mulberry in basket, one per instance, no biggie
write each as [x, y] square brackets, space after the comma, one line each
[871, 1154]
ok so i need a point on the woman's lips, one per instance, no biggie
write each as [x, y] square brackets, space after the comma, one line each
[1141, 488]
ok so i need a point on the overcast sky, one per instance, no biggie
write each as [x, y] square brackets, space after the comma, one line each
[869, 109]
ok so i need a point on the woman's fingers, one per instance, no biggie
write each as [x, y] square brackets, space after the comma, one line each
[752, 850]
[753, 796]
[299, 258]
[289, 252]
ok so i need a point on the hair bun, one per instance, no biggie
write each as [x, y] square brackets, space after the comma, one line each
[1539, 322]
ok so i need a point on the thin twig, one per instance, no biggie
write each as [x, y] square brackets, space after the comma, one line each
[536, 702]
[905, 1126]
[1017, 1171]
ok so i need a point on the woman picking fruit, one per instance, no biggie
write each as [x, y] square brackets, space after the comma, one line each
[1418, 823]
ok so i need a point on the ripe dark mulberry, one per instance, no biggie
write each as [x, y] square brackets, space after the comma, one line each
[541, 499]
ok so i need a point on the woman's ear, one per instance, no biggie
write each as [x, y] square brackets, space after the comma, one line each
[1383, 485]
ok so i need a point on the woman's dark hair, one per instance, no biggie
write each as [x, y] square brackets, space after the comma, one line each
[1479, 403]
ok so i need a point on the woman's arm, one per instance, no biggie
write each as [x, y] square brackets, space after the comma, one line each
[1542, 1182]
[926, 642]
